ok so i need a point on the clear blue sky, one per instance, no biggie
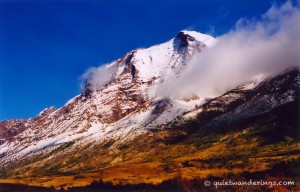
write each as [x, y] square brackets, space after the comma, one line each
[45, 46]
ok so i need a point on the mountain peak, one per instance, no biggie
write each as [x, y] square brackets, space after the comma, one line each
[147, 64]
[183, 39]
[194, 35]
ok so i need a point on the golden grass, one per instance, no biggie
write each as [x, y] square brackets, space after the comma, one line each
[167, 163]
[54, 181]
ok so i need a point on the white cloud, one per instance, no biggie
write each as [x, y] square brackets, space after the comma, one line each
[254, 48]
[97, 77]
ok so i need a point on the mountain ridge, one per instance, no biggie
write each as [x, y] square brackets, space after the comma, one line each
[121, 85]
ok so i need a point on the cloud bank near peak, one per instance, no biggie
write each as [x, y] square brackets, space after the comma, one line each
[254, 48]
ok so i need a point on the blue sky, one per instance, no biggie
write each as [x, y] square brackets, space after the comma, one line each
[45, 46]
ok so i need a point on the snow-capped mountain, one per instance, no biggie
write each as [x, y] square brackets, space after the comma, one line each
[121, 111]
